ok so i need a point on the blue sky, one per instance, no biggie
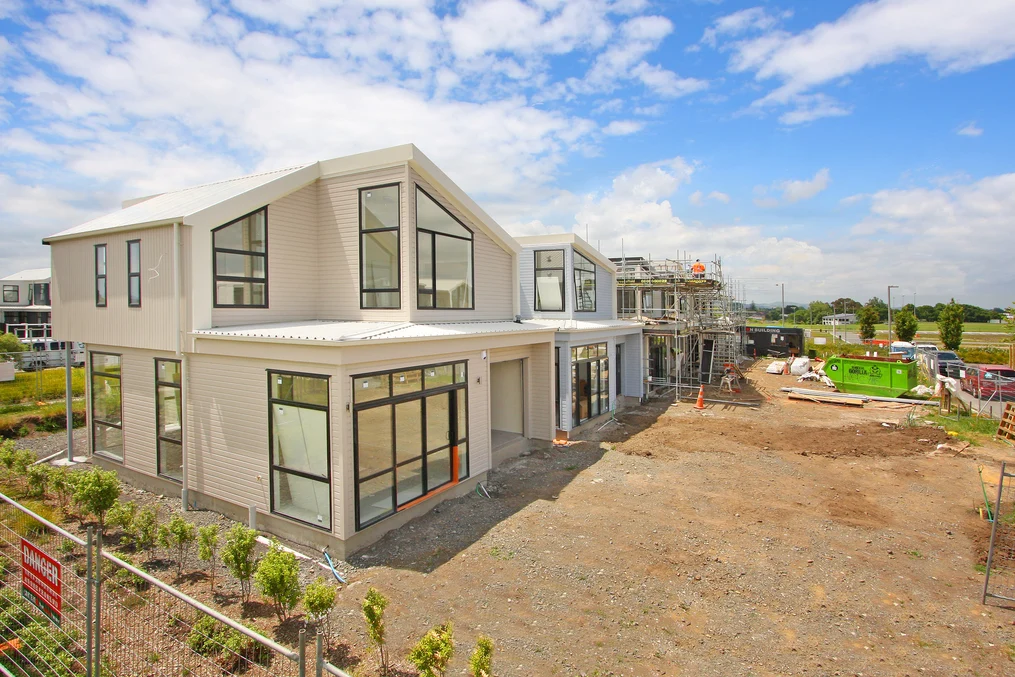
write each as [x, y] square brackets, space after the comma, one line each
[835, 146]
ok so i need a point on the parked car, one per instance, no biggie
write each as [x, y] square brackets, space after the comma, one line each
[927, 347]
[903, 349]
[948, 363]
[988, 380]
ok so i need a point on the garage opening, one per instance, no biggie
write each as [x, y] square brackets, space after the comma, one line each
[507, 399]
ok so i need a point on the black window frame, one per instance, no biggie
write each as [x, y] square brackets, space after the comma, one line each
[577, 289]
[17, 293]
[600, 359]
[159, 438]
[273, 467]
[101, 277]
[398, 242]
[433, 254]
[131, 302]
[91, 405]
[461, 390]
[35, 290]
[563, 280]
[242, 252]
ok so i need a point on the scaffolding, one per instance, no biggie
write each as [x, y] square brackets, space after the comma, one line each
[695, 320]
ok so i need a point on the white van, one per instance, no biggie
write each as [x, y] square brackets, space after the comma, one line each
[47, 353]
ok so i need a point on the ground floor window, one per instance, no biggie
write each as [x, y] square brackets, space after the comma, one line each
[590, 382]
[410, 431]
[300, 447]
[107, 409]
[169, 418]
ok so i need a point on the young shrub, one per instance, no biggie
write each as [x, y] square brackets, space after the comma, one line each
[481, 660]
[37, 478]
[144, 529]
[238, 556]
[121, 516]
[207, 548]
[319, 600]
[373, 612]
[203, 638]
[96, 491]
[433, 652]
[61, 481]
[278, 578]
[6, 455]
[178, 535]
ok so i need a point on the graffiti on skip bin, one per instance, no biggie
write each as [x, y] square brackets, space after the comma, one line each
[873, 372]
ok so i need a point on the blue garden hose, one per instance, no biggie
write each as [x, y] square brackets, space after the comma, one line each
[332, 565]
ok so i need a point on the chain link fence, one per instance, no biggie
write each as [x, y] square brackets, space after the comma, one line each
[999, 581]
[67, 607]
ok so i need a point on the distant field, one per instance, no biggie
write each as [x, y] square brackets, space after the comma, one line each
[45, 385]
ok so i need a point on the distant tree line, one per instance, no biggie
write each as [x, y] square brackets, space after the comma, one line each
[815, 311]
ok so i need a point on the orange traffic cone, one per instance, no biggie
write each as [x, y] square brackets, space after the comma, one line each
[700, 404]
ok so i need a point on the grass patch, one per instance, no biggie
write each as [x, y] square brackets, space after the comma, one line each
[48, 418]
[915, 554]
[972, 429]
[41, 386]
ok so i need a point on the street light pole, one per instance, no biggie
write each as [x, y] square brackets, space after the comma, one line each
[890, 288]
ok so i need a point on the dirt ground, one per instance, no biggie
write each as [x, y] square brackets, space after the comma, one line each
[789, 539]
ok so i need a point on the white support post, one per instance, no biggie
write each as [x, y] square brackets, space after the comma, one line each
[68, 363]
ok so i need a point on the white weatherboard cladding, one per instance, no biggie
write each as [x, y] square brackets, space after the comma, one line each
[228, 428]
[493, 268]
[75, 315]
[338, 246]
[605, 288]
[633, 363]
[292, 263]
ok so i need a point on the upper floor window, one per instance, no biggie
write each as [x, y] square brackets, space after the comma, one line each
[100, 275]
[40, 293]
[444, 255]
[134, 273]
[584, 284]
[12, 293]
[550, 280]
[379, 269]
[240, 249]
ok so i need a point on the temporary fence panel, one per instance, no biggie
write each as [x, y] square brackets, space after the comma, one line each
[999, 580]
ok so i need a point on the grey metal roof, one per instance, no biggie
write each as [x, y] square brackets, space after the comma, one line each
[339, 331]
[31, 275]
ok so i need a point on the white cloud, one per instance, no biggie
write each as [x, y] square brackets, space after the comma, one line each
[623, 127]
[793, 190]
[697, 198]
[970, 129]
[609, 106]
[949, 36]
[654, 110]
[719, 197]
[810, 107]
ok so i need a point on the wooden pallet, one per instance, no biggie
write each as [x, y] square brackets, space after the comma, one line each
[1006, 429]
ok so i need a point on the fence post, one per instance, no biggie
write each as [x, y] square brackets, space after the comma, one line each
[319, 662]
[97, 634]
[88, 603]
[993, 534]
[303, 652]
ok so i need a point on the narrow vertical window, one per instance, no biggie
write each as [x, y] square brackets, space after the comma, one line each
[169, 419]
[584, 284]
[240, 263]
[134, 273]
[107, 411]
[549, 280]
[300, 447]
[379, 257]
[444, 256]
[100, 275]
[40, 293]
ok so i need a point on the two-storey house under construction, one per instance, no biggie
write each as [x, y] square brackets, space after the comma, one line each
[334, 344]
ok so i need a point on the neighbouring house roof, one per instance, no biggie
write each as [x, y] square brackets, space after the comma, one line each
[534, 241]
[32, 275]
[324, 331]
[215, 204]
[27, 308]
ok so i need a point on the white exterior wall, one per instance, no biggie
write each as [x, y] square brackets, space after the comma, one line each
[631, 379]
[606, 284]
[75, 316]
[24, 289]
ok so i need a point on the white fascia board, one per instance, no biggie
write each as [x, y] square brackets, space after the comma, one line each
[251, 200]
[115, 229]
[364, 162]
[432, 173]
[546, 334]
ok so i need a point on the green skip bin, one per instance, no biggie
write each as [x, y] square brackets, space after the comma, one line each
[883, 376]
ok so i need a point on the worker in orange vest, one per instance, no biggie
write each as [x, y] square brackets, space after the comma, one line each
[698, 269]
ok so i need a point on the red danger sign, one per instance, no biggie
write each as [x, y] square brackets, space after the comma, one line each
[41, 580]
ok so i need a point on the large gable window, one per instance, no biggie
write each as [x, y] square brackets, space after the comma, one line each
[550, 280]
[378, 251]
[241, 262]
[584, 284]
[443, 257]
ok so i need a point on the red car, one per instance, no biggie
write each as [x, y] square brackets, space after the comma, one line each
[987, 380]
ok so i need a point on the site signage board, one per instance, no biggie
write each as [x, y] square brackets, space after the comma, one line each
[41, 580]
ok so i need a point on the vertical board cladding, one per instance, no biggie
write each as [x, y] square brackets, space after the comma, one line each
[338, 246]
[75, 315]
[633, 364]
[564, 384]
[527, 278]
[493, 295]
[228, 429]
[293, 271]
[479, 419]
